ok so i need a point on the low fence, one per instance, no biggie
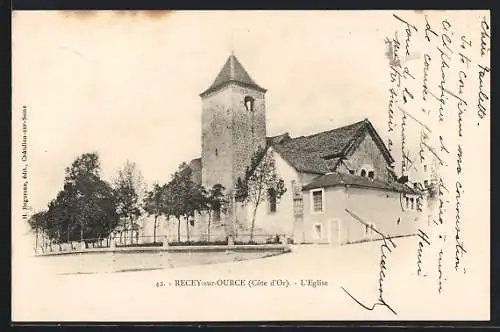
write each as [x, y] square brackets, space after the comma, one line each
[158, 241]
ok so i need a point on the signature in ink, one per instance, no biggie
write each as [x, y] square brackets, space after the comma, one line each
[385, 248]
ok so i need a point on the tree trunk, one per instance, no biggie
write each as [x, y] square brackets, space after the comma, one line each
[81, 231]
[208, 230]
[254, 213]
[253, 222]
[36, 240]
[179, 229]
[131, 230]
[187, 229]
[154, 229]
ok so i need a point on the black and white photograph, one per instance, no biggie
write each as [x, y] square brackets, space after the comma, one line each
[224, 166]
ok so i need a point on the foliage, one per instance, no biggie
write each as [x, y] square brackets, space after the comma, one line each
[84, 208]
[154, 201]
[154, 204]
[213, 201]
[38, 221]
[183, 197]
[129, 186]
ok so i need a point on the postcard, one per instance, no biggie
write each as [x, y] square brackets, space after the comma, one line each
[223, 166]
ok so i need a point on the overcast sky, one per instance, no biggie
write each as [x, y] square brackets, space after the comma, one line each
[126, 85]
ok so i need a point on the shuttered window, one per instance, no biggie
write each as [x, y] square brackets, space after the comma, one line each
[317, 201]
[298, 207]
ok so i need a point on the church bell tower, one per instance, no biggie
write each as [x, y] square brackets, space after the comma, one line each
[233, 124]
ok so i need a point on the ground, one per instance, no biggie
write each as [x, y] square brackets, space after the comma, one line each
[41, 295]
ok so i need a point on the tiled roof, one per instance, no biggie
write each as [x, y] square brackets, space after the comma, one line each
[320, 153]
[335, 179]
[232, 71]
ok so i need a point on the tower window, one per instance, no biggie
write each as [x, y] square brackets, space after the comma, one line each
[216, 152]
[363, 172]
[371, 174]
[249, 103]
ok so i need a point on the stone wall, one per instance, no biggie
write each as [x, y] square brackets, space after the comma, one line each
[248, 128]
[230, 133]
[216, 147]
[369, 157]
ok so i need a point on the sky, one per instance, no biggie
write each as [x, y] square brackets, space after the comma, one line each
[126, 84]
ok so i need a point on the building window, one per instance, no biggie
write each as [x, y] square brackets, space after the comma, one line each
[407, 203]
[249, 103]
[318, 231]
[298, 207]
[271, 194]
[317, 201]
[371, 174]
[363, 172]
[351, 171]
[412, 203]
[426, 183]
[425, 168]
[216, 152]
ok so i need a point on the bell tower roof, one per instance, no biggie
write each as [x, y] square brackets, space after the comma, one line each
[232, 71]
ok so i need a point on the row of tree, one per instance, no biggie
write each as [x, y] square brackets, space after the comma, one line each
[182, 198]
[90, 208]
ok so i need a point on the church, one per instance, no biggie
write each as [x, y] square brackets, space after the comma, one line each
[340, 184]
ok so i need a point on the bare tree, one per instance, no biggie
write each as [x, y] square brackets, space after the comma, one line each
[129, 188]
[261, 182]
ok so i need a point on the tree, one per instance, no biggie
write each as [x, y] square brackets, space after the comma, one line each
[194, 203]
[87, 200]
[84, 208]
[154, 204]
[183, 197]
[213, 202]
[129, 188]
[38, 223]
[261, 181]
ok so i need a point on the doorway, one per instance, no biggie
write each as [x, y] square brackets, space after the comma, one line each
[334, 232]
